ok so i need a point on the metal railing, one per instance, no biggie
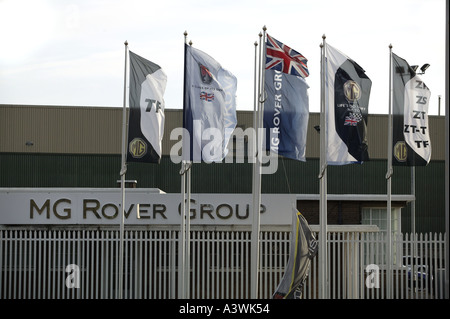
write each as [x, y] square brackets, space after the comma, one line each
[83, 263]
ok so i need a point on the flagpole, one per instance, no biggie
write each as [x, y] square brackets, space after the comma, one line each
[413, 207]
[255, 99]
[447, 111]
[389, 180]
[181, 247]
[413, 203]
[256, 191]
[182, 239]
[187, 214]
[185, 238]
[123, 171]
[188, 231]
[323, 280]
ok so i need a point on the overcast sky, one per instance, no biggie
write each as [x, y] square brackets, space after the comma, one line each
[57, 52]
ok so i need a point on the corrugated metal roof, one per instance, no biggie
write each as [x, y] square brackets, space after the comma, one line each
[59, 130]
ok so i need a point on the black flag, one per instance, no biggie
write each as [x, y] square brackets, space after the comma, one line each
[348, 92]
[146, 120]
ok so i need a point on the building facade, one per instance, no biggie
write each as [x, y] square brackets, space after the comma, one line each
[79, 147]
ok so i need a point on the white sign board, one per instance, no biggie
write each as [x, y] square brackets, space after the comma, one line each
[69, 206]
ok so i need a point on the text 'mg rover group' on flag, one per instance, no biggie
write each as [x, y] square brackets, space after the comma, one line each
[146, 118]
[303, 249]
[286, 107]
[209, 110]
[411, 141]
[347, 91]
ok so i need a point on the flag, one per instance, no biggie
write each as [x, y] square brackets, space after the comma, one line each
[411, 141]
[347, 91]
[146, 118]
[209, 110]
[286, 108]
[282, 58]
[303, 249]
[286, 114]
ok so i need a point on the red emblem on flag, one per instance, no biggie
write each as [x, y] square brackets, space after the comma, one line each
[205, 74]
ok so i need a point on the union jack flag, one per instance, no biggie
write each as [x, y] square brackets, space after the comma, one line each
[353, 119]
[206, 97]
[282, 58]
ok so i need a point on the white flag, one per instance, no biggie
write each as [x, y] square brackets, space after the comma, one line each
[411, 139]
[209, 108]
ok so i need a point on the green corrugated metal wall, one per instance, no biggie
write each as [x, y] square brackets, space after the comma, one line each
[430, 194]
[77, 170]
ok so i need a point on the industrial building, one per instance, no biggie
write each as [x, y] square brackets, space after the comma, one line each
[66, 146]
[59, 208]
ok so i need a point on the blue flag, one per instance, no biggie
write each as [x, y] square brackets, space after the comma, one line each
[283, 58]
[286, 108]
[286, 114]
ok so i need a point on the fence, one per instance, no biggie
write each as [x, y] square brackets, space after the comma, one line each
[83, 263]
